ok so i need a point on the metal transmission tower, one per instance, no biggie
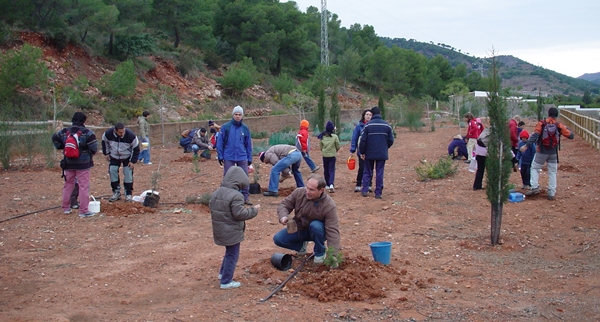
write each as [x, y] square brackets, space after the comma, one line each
[324, 35]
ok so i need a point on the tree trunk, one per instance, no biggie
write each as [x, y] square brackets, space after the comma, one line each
[110, 43]
[496, 222]
[177, 38]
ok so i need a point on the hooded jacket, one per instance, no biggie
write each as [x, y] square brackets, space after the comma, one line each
[144, 127]
[376, 138]
[303, 143]
[201, 140]
[88, 146]
[234, 142]
[305, 211]
[227, 208]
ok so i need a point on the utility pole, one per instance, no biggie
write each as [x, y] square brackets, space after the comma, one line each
[324, 35]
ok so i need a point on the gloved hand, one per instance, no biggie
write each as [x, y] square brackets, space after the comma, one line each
[220, 162]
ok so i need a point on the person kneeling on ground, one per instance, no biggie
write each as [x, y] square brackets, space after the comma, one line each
[315, 219]
[201, 142]
[457, 148]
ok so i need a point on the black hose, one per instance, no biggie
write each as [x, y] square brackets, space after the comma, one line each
[287, 279]
[35, 212]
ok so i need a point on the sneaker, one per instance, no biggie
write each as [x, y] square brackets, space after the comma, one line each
[128, 198]
[331, 188]
[319, 259]
[68, 211]
[550, 197]
[283, 178]
[116, 196]
[315, 169]
[248, 203]
[270, 194]
[357, 189]
[532, 191]
[377, 196]
[76, 206]
[302, 250]
[148, 163]
[370, 189]
[230, 285]
[87, 214]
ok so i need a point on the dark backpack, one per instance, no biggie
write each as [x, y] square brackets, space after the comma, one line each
[550, 135]
[187, 140]
[72, 149]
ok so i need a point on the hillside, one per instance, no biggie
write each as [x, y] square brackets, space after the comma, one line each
[516, 73]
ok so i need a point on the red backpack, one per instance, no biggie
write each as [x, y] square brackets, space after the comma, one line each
[71, 150]
[550, 135]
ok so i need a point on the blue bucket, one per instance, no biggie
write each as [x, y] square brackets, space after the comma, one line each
[382, 252]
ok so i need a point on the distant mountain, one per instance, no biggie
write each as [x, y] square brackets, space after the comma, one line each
[594, 77]
[516, 73]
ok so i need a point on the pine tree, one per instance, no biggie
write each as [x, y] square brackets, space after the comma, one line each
[381, 106]
[498, 163]
[334, 112]
[321, 109]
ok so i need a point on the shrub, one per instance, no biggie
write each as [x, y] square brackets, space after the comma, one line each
[133, 45]
[333, 258]
[443, 168]
[259, 135]
[122, 82]
[284, 84]
[21, 68]
[283, 138]
[240, 76]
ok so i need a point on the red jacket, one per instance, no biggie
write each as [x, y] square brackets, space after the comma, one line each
[472, 129]
[512, 127]
[303, 139]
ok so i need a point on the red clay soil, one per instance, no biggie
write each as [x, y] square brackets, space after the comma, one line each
[133, 263]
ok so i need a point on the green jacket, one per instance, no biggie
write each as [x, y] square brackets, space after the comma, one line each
[144, 127]
[330, 145]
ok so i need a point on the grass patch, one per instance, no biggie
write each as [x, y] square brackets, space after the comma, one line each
[443, 168]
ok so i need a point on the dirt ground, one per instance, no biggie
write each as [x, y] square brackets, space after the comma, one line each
[132, 263]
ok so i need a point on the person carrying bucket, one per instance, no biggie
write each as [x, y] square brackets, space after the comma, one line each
[315, 219]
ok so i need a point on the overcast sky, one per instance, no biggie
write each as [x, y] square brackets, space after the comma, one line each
[563, 36]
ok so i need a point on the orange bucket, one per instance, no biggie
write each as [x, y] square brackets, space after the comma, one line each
[351, 163]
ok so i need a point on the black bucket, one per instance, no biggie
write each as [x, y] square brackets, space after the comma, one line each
[151, 200]
[254, 188]
[281, 261]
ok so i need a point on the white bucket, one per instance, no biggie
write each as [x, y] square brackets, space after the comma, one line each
[94, 205]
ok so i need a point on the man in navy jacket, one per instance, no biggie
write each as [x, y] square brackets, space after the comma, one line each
[375, 140]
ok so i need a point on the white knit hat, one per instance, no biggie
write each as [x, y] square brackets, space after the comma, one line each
[238, 109]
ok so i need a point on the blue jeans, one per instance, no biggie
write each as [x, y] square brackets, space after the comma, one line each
[309, 161]
[242, 164]
[292, 159]
[368, 176]
[232, 254]
[205, 153]
[294, 241]
[144, 154]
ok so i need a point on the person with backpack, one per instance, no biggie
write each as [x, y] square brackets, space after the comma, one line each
[121, 147]
[303, 145]
[187, 139]
[144, 138]
[547, 137]
[79, 144]
[234, 146]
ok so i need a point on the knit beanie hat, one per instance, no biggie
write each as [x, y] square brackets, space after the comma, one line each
[329, 127]
[238, 109]
[524, 134]
[211, 123]
[261, 156]
[375, 110]
[304, 123]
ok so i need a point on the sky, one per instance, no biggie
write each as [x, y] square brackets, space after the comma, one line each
[563, 36]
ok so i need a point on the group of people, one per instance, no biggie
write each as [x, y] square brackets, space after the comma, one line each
[120, 146]
[530, 152]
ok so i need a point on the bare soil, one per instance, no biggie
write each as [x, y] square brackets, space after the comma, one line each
[133, 263]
